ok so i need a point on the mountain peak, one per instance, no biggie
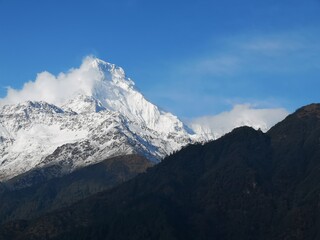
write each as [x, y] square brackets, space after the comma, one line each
[298, 126]
[309, 110]
[109, 71]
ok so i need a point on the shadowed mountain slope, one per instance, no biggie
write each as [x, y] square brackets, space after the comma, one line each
[52, 192]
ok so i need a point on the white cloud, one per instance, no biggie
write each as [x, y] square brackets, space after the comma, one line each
[240, 115]
[56, 89]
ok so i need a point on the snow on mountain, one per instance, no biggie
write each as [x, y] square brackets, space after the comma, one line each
[116, 92]
[83, 104]
[104, 116]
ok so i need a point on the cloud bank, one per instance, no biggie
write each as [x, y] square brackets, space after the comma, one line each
[240, 115]
[56, 89]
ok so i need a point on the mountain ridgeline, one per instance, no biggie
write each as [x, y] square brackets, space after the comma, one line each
[245, 185]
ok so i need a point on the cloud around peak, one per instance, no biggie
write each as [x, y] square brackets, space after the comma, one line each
[56, 89]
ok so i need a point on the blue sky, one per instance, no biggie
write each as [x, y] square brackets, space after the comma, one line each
[194, 58]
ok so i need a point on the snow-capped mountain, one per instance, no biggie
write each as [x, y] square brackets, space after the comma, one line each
[104, 116]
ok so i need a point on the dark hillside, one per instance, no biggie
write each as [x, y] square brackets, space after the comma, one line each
[47, 195]
[245, 185]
